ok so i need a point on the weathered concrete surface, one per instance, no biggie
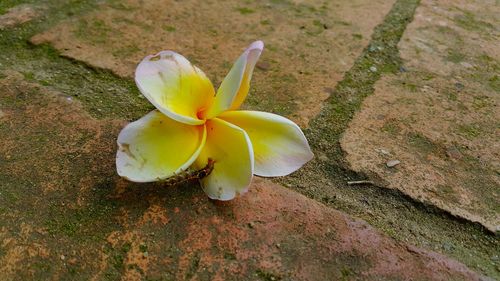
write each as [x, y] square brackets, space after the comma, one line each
[440, 117]
[64, 215]
[309, 44]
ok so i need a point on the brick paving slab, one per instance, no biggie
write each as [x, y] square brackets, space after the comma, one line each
[65, 215]
[309, 44]
[439, 116]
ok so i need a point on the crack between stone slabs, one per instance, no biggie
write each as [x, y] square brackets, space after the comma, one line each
[381, 56]
[45, 65]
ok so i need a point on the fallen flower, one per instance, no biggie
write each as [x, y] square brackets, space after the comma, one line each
[192, 124]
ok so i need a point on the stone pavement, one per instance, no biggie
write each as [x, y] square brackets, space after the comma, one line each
[439, 117]
[66, 215]
[309, 44]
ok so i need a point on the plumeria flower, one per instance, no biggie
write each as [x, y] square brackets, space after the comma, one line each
[192, 124]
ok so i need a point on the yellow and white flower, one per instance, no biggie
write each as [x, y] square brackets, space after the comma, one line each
[193, 123]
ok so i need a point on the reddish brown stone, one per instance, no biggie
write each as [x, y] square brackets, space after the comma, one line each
[300, 59]
[67, 216]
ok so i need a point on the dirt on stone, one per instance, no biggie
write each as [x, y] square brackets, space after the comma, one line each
[66, 215]
[439, 116]
[18, 15]
[309, 45]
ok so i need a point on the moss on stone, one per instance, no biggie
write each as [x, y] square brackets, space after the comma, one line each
[391, 126]
[468, 21]
[455, 56]
[245, 11]
[486, 72]
[102, 93]
[5, 5]
[469, 131]
[267, 276]
[422, 144]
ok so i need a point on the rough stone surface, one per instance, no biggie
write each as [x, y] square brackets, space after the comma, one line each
[17, 15]
[440, 118]
[309, 44]
[65, 215]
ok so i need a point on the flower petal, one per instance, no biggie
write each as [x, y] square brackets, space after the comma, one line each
[234, 88]
[156, 147]
[279, 145]
[230, 148]
[176, 87]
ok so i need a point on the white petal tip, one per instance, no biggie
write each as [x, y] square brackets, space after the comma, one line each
[256, 45]
[228, 197]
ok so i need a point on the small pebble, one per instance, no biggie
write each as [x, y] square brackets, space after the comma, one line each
[459, 86]
[323, 158]
[453, 153]
[382, 151]
[448, 246]
[392, 163]
[63, 257]
[263, 65]
[466, 64]
[373, 69]
[328, 90]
